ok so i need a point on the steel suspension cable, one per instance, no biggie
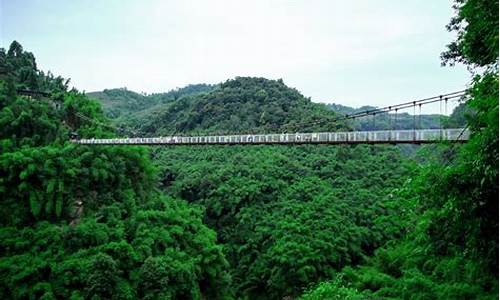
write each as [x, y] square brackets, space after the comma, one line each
[378, 110]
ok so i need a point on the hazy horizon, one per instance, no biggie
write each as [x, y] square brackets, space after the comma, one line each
[354, 54]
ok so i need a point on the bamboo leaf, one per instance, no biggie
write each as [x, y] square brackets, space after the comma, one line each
[59, 205]
[34, 204]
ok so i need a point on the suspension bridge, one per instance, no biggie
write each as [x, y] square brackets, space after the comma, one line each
[350, 137]
[417, 135]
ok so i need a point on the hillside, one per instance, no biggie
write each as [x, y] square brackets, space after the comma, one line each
[121, 101]
[243, 104]
[117, 101]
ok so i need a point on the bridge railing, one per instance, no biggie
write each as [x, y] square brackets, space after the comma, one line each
[355, 137]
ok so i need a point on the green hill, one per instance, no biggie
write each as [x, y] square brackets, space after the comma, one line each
[118, 101]
[121, 101]
[243, 104]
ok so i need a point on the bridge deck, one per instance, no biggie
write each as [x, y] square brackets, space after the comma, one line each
[353, 137]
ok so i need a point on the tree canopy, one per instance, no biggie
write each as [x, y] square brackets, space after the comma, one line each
[88, 223]
[452, 250]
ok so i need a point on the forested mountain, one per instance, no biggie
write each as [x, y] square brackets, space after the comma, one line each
[243, 104]
[237, 106]
[117, 102]
[243, 222]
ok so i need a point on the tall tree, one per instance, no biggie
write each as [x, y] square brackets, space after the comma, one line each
[476, 24]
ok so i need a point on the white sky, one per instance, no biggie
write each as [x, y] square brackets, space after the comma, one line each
[359, 52]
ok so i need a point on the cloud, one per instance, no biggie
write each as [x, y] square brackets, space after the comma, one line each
[347, 51]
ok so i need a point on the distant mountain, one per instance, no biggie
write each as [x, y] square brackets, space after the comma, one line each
[399, 121]
[243, 104]
[118, 101]
[342, 109]
[388, 121]
[121, 101]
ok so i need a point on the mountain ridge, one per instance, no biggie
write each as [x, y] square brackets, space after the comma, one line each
[244, 104]
[119, 101]
[249, 104]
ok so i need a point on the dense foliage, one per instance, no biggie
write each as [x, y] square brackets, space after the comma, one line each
[451, 248]
[452, 252]
[97, 227]
[289, 216]
[247, 222]
[86, 223]
[476, 25]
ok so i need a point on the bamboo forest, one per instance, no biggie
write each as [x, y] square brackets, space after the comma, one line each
[301, 221]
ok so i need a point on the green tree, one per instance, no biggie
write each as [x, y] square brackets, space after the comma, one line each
[476, 25]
